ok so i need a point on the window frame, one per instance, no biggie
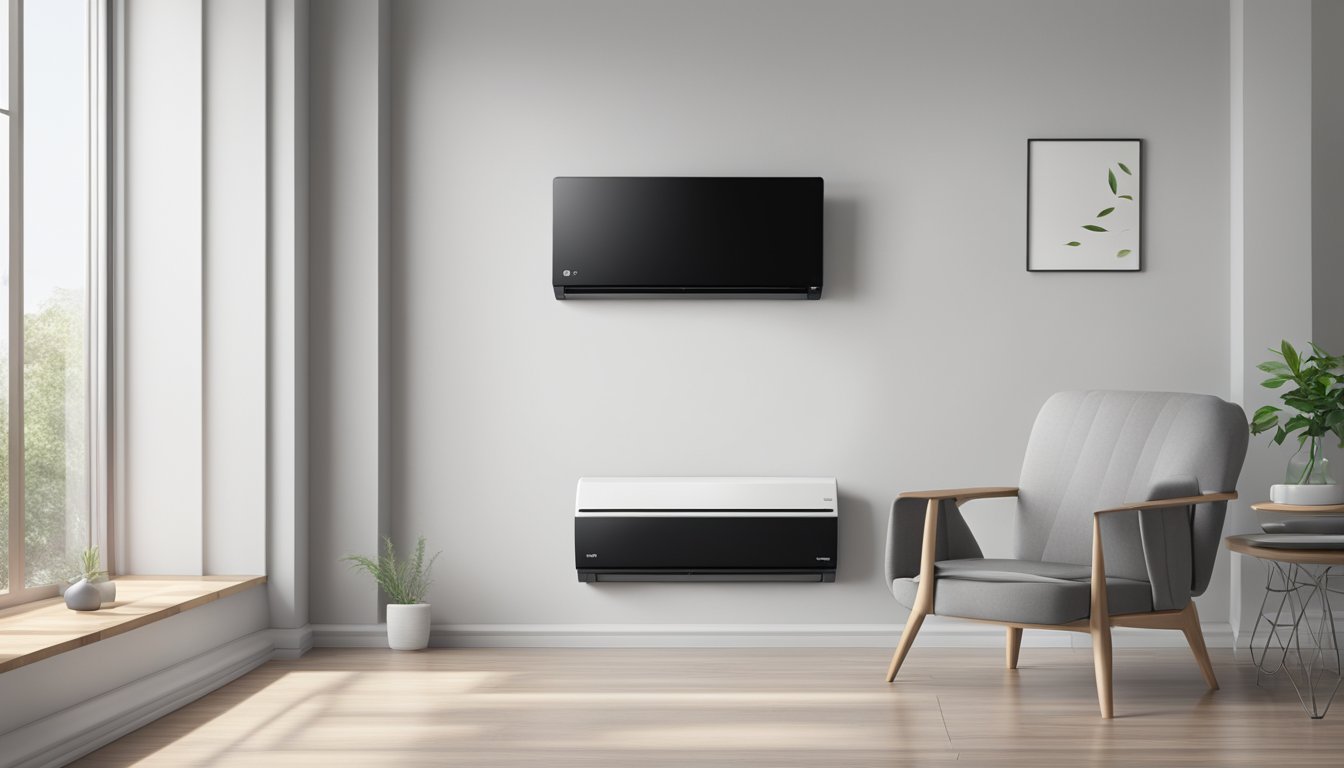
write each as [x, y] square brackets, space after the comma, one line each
[97, 336]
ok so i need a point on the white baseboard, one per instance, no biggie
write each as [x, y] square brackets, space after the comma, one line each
[935, 634]
[292, 643]
[64, 736]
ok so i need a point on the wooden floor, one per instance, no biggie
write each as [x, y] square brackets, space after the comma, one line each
[808, 707]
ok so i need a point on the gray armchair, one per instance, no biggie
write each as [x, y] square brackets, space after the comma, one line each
[1088, 556]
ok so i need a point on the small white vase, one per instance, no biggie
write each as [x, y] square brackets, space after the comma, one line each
[82, 596]
[408, 627]
[108, 589]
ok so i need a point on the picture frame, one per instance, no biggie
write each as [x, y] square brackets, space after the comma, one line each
[1085, 205]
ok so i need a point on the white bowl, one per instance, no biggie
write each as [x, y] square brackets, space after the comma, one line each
[1316, 495]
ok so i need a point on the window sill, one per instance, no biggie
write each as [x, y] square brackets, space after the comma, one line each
[42, 629]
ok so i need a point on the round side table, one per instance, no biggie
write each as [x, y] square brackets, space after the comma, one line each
[1295, 630]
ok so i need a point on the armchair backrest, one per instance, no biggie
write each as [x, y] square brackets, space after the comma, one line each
[1099, 449]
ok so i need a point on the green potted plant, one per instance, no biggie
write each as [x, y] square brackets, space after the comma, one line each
[89, 588]
[405, 581]
[1313, 387]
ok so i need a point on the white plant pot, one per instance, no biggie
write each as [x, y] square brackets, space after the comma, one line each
[82, 596]
[1311, 495]
[108, 589]
[408, 627]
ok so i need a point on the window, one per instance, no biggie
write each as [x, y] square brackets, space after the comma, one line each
[51, 121]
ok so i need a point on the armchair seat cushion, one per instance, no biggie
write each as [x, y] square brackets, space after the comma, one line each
[1027, 591]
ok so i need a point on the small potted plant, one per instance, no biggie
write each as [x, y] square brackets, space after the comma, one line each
[1317, 396]
[405, 582]
[90, 587]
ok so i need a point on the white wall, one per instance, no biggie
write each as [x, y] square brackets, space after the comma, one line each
[924, 363]
[1272, 223]
[451, 395]
[204, 225]
[1327, 149]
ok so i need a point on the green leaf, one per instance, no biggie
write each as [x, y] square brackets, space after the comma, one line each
[1274, 382]
[1279, 436]
[1300, 403]
[1093, 228]
[1127, 197]
[1124, 168]
[1273, 366]
[404, 581]
[1122, 253]
[1258, 427]
[1074, 242]
[1110, 179]
[1290, 356]
[1105, 212]
[1297, 422]
[1264, 419]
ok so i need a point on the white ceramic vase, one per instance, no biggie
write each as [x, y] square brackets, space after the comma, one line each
[83, 596]
[408, 627]
[108, 590]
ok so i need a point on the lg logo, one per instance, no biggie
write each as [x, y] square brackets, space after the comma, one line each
[570, 272]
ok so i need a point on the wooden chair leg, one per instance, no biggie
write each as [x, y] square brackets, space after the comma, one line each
[1013, 646]
[924, 594]
[1194, 635]
[1101, 661]
[912, 625]
[1099, 625]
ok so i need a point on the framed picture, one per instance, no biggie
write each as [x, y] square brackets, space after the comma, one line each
[1084, 205]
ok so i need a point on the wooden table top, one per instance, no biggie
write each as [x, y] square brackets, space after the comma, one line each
[39, 630]
[1270, 506]
[1245, 546]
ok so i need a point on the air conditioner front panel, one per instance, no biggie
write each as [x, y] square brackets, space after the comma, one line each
[705, 542]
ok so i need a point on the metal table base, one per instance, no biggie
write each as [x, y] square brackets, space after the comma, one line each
[1295, 633]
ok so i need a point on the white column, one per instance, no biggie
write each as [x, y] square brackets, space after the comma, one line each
[162, 244]
[287, 351]
[1271, 238]
[235, 344]
[348, 250]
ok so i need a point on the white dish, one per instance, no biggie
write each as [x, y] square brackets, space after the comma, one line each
[1296, 541]
[1330, 525]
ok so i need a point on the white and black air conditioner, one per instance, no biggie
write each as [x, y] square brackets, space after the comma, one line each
[706, 529]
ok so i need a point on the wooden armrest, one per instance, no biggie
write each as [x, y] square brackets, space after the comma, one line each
[1099, 613]
[962, 494]
[929, 546]
[1182, 501]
